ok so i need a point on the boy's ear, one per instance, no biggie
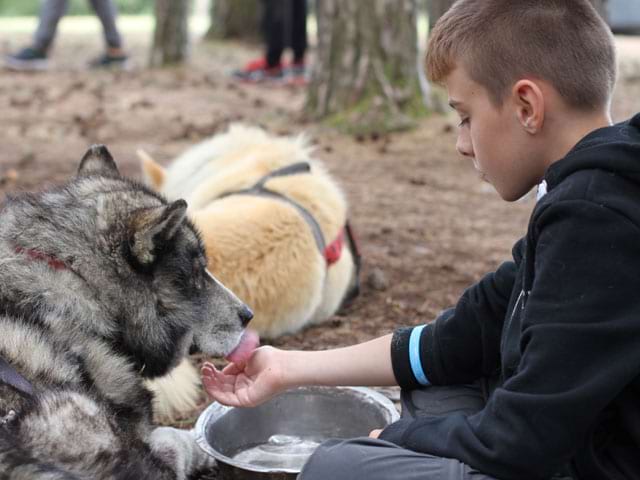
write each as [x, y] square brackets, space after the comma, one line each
[530, 105]
[152, 228]
[152, 172]
[97, 161]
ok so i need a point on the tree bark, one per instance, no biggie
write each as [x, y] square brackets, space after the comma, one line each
[171, 35]
[366, 69]
[236, 19]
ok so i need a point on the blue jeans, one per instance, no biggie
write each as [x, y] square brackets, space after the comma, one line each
[52, 11]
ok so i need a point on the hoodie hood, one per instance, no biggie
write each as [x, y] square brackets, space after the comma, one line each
[614, 149]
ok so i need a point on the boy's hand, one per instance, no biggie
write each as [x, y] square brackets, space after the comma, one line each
[246, 385]
[375, 433]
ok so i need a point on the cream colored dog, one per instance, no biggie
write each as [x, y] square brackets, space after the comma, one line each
[282, 248]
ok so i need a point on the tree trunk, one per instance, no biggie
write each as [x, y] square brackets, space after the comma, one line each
[436, 9]
[171, 35]
[236, 19]
[366, 70]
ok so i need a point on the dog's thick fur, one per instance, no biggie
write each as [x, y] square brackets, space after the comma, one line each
[260, 247]
[103, 284]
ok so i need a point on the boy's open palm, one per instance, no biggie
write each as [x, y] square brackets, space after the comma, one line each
[245, 385]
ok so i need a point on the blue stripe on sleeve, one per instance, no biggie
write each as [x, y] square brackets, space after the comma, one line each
[414, 356]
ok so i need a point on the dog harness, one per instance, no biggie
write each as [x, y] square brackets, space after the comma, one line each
[331, 252]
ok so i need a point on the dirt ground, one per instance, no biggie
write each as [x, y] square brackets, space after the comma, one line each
[428, 227]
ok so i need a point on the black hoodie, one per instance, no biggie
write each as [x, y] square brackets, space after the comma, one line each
[560, 326]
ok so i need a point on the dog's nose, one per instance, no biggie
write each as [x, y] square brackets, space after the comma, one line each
[245, 315]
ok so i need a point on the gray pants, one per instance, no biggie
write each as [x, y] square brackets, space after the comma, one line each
[372, 459]
[51, 11]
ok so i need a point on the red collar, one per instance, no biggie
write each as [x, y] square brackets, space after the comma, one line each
[333, 251]
[52, 261]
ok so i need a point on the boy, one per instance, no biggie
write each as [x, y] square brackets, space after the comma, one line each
[536, 371]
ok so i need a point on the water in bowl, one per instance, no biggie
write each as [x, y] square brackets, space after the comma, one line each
[281, 451]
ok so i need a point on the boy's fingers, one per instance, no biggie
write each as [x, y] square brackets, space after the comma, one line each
[232, 369]
[211, 382]
[212, 389]
[221, 385]
[222, 396]
[225, 382]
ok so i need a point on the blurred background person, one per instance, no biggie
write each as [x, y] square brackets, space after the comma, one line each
[284, 25]
[35, 56]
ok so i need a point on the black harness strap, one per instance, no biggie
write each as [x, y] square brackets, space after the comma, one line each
[260, 190]
[357, 260]
[293, 169]
[10, 376]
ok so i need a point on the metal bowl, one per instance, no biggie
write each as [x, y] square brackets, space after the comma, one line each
[274, 440]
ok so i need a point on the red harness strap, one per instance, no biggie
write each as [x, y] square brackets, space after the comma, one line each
[333, 251]
[52, 261]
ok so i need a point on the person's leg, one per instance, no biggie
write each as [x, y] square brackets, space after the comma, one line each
[298, 30]
[373, 459]
[107, 12]
[34, 57]
[268, 68]
[274, 24]
[114, 56]
[51, 11]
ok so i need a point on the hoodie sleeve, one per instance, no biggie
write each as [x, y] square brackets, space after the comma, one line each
[579, 350]
[463, 343]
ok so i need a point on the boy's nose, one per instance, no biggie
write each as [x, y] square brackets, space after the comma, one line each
[464, 148]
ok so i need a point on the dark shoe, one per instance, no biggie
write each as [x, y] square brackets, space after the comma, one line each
[27, 59]
[258, 71]
[110, 61]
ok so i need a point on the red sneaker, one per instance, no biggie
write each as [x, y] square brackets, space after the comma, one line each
[258, 71]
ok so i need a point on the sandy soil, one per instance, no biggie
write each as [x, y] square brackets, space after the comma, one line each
[428, 227]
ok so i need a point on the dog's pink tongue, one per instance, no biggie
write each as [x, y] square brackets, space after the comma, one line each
[248, 343]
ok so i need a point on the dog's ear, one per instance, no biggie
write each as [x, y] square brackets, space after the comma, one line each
[152, 172]
[151, 228]
[97, 161]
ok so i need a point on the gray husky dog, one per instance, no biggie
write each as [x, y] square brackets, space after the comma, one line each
[103, 284]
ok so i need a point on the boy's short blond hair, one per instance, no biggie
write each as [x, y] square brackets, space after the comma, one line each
[564, 42]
